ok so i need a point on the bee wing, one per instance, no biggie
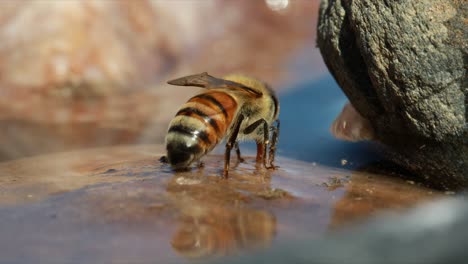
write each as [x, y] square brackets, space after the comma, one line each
[207, 81]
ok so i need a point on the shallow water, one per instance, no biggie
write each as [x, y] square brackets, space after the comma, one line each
[120, 204]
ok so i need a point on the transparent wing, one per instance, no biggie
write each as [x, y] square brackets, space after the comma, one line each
[207, 81]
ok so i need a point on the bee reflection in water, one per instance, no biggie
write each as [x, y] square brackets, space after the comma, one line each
[218, 231]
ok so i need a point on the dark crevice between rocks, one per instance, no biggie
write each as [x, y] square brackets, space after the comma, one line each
[346, 56]
[357, 70]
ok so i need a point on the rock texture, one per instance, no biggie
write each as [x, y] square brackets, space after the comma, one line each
[402, 64]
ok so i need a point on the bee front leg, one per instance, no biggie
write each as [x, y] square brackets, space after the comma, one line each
[230, 144]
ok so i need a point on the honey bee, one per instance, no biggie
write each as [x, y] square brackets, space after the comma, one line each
[232, 109]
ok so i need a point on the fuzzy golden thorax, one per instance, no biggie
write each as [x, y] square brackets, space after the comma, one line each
[253, 109]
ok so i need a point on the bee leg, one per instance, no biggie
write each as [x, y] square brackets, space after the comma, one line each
[201, 164]
[230, 144]
[261, 146]
[163, 159]
[239, 158]
[266, 137]
[274, 141]
[260, 152]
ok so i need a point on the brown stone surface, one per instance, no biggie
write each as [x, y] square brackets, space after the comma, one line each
[120, 203]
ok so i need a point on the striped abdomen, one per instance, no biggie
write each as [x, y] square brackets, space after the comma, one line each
[199, 125]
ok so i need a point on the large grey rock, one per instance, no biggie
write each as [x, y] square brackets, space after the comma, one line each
[403, 66]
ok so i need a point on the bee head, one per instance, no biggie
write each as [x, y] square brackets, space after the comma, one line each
[180, 156]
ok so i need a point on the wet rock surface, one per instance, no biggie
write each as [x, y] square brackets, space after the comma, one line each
[402, 64]
[392, 239]
[121, 204]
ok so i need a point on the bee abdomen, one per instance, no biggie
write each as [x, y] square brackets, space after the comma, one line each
[201, 115]
[187, 131]
[219, 106]
[198, 126]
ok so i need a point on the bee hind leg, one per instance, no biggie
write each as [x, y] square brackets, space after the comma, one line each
[274, 142]
[239, 158]
[260, 152]
[261, 146]
[230, 144]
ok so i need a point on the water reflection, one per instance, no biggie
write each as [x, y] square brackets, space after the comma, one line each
[210, 231]
[367, 194]
[216, 217]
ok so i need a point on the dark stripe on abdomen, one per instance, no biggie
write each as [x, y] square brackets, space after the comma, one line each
[184, 130]
[213, 100]
[190, 111]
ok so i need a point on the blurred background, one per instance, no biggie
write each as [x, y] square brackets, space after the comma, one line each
[85, 74]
